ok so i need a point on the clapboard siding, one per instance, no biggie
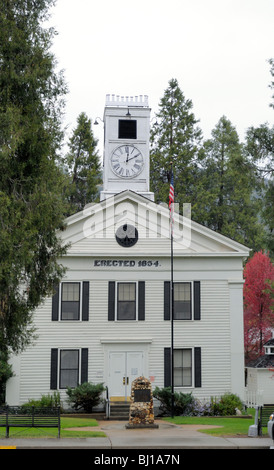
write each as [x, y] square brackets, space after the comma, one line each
[211, 333]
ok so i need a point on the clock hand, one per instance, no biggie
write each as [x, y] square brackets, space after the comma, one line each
[133, 157]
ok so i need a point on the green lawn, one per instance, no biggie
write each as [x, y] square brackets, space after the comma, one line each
[53, 432]
[230, 426]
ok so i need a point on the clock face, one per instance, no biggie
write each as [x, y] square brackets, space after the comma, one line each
[127, 161]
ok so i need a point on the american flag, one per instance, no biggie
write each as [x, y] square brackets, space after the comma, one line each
[171, 192]
[171, 202]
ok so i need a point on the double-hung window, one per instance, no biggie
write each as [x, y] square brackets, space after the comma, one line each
[187, 300]
[69, 368]
[70, 301]
[126, 301]
[182, 301]
[183, 367]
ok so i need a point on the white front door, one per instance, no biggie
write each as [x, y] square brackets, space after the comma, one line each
[124, 367]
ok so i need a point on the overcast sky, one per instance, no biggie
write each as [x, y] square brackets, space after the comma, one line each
[218, 50]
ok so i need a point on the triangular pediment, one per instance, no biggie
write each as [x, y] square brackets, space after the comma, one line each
[92, 231]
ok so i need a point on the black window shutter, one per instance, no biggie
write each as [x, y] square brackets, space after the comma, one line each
[167, 367]
[111, 301]
[197, 300]
[55, 304]
[198, 367]
[54, 369]
[85, 301]
[141, 300]
[84, 366]
[167, 300]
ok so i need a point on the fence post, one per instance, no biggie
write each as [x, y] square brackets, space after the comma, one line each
[32, 416]
[7, 421]
[59, 421]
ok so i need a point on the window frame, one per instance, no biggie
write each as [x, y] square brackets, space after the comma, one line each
[135, 283]
[60, 368]
[182, 368]
[79, 302]
[191, 283]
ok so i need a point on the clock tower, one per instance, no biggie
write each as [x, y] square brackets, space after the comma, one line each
[126, 146]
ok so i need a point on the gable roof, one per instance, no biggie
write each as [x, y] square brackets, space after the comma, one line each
[270, 342]
[262, 362]
[92, 231]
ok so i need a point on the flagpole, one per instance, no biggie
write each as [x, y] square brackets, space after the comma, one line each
[172, 330]
[171, 207]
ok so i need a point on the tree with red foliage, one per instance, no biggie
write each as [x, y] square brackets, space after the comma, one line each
[258, 304]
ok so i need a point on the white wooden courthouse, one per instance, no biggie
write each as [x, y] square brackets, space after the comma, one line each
[109, 320]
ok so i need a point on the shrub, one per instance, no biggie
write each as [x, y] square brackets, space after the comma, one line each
[186, 404]
[226, 405]
[182, 401]
[46, 401]
[85, 396]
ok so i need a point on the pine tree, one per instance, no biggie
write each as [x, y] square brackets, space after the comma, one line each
[175, 137]
[260, 149]
[83, 165]
[31, 206]
[229, 204]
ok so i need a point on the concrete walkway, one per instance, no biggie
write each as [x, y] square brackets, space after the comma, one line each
[167, 436]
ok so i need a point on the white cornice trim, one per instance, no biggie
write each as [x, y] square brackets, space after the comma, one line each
[124, 340]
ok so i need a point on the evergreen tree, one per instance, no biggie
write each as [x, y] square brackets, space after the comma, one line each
[260, 149]
[83, 165]
[175, 137]
[31, 207]
[229, 204]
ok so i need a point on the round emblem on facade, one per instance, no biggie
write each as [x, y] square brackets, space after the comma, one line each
[127, 235]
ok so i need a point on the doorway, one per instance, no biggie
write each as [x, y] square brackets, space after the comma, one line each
[124, 367]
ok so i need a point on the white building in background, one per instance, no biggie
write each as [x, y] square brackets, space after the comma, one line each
[260, 376]
[109, 320]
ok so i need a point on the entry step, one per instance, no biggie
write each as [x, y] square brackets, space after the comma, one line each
[119, 410]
